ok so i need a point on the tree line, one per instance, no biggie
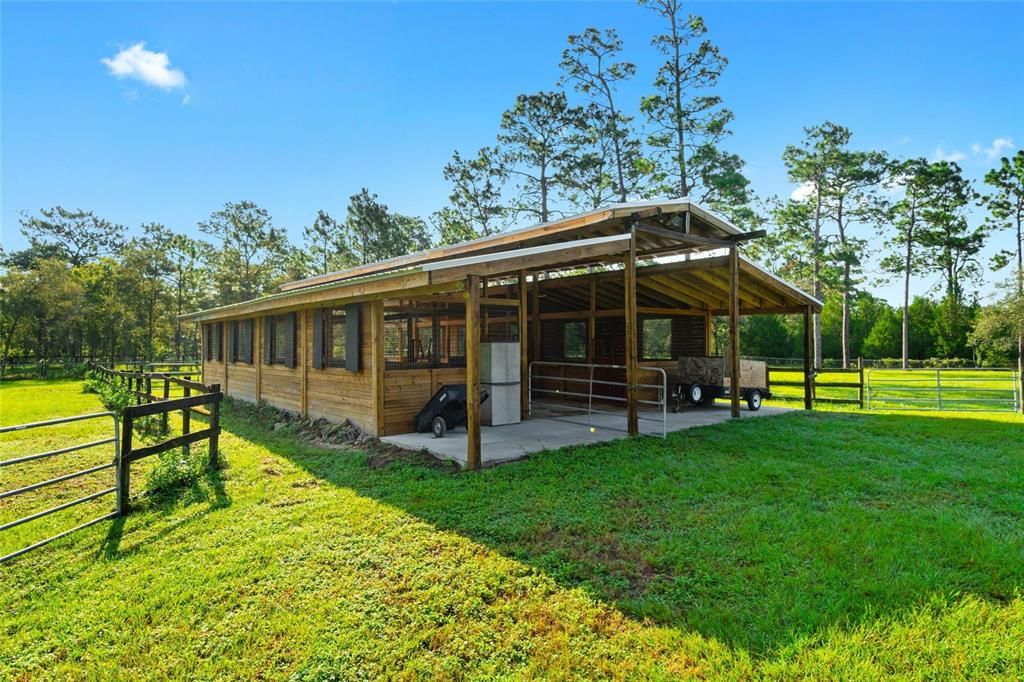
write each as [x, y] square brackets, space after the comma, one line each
[86, 286]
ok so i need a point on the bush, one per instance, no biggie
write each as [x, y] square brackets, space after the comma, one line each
[175, 469]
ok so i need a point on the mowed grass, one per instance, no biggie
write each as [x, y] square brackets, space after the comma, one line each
[822, 545]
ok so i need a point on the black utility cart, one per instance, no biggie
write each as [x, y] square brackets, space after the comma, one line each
[446, 410]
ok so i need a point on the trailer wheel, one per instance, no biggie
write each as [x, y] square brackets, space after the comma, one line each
[754, 400]
[439, 427]
[695, 394]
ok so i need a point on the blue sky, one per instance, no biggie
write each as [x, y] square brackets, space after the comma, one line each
[297, 106]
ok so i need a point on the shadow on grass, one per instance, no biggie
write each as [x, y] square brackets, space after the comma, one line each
[204, 493]
[756, 533]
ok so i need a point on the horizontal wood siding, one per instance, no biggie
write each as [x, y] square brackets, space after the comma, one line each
[406, 391]
[242, 381]
[335, 393]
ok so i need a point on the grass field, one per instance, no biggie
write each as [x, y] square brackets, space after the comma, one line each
[815, 545]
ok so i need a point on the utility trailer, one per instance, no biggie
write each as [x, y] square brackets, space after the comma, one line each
[699, 380]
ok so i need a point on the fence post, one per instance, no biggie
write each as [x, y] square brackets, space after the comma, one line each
[214, 427]
[186, 416]
[167, 395]
[124, 463]
[860, 389]
[938, 387]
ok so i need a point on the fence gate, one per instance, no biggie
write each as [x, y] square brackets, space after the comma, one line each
[962, 390]
[115, 463]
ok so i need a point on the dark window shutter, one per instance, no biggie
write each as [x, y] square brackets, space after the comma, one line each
[233, 341]
[289, 349]
[247, 351]
[207, 343]
[318, 339]
[268, 338]
[218, 341]
[352, 336]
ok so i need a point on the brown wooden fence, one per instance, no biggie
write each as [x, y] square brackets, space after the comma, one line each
[851, 378]
[197, 397]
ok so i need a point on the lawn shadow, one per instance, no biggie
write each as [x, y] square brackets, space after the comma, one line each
[755, 533]
[201, 495]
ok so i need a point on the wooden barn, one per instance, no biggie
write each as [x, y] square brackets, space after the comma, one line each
[616, 291]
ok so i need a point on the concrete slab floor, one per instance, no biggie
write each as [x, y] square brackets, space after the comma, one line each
[556, 427]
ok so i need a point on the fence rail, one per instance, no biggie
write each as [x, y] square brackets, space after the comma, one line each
[818, 381]
[945, 388]
[207, 401]
[115, 463]
[584, 389]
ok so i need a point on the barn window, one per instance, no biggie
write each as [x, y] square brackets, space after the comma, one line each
[214, 341]
[656, 338]
[335, 329]
[425, 335]
[279, 340]
[574, 340]
[336, 337]
[240, 341]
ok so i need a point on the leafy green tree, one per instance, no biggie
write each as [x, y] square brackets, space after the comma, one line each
[885, 338]
[374, 233]
[688, 119]
[952, 249]
[923, 313]
[325, 244]
[919, 180]
[536, 143]
[841, 186]
[589, 64]
[998, 327]
[1006, 204]
[475, 206]
[251, 252]
[80, 236]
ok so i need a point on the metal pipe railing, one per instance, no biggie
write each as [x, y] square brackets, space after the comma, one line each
[590, 395]
[115, 463]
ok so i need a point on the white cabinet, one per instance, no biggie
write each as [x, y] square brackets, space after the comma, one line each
[499, 376]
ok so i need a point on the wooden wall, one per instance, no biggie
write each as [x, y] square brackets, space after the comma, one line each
[406, 391]
[336, 394]
[333, 393]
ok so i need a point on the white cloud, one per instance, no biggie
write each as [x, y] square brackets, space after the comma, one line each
[186, 99]
[994, 150]
[804, 191]
[940, 155]
[152, 68]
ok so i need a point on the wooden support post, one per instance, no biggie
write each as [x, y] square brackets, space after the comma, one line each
[708, 330]
[304, 359]
[214, 428]
[535, 335]
[734, 330]
[524, 355]
[473, 372]
[632, 364]
[124, 466]
[377, 364]
[592, 322]
[257, 355]
[807, 358]
[485, 322]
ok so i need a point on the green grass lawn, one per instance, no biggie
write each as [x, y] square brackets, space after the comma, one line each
[816, 545]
